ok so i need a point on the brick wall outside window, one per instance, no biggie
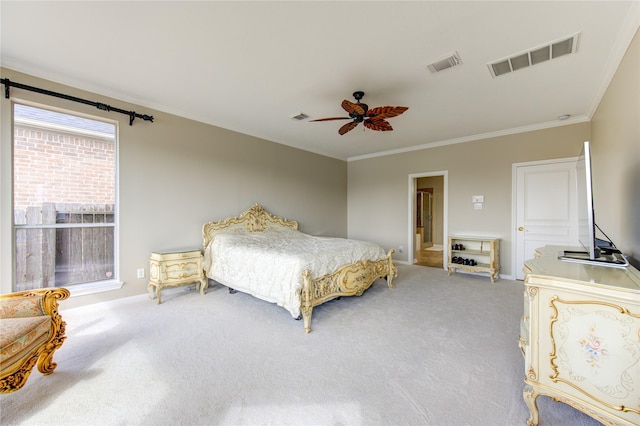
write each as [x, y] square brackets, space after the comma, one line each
[57, 167]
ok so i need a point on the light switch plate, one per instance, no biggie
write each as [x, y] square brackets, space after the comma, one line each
[477, 206]
[477, 199]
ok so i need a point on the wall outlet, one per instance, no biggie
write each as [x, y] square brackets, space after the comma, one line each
[140, 273]
[400, 249]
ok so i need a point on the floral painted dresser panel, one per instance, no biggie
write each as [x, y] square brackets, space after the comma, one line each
[580, 337]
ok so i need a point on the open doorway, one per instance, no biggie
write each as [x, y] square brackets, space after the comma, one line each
[428, 224]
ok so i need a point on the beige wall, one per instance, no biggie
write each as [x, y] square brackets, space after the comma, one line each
[176, 174]
[615, 129]
[378, 187]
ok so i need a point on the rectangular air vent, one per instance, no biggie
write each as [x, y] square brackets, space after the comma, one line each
[442, 64]
[536, 55]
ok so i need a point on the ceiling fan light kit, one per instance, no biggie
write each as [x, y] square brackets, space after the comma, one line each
[374, 119]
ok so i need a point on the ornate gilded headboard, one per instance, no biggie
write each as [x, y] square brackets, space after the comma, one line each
[256, 219]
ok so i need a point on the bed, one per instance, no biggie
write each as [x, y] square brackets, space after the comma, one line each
[268, 257]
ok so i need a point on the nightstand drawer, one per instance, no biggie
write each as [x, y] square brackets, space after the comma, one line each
[175, 270]
[176, 255]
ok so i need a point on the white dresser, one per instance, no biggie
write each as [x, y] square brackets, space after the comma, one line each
[580, 337]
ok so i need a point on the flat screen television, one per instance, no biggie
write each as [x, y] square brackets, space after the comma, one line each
[596, 251]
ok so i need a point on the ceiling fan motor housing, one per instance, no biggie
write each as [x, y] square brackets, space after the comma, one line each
[359, 118]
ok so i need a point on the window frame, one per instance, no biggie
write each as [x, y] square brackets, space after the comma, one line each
[91, 287]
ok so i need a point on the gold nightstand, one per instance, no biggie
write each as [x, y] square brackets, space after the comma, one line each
[175, 268]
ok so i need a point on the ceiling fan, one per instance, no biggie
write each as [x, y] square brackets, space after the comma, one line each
[373, 118]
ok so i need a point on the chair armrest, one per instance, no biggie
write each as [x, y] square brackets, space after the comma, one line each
[31, 303]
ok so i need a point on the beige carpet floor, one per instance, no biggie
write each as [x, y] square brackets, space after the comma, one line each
[436, 350]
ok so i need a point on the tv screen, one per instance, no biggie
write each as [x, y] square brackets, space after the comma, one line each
[586, 221]
[607, 254]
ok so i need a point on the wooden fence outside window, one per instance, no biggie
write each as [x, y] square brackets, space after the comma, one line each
[62, 244]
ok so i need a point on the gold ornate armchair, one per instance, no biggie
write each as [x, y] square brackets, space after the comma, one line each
[30, 330]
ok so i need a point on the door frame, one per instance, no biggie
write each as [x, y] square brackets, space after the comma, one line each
[413, 177]
[514, 200]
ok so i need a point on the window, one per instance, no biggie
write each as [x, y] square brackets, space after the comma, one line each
[64, 201]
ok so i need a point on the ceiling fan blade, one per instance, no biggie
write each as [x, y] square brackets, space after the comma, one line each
[351, 108]
[332, 118]
[378, 124]
[347, 127]
[385, 112]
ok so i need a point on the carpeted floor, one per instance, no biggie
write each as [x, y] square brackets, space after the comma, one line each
[436, 350]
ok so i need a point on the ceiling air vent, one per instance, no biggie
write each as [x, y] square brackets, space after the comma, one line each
[299, 116]
[538, 54]
[448, 61]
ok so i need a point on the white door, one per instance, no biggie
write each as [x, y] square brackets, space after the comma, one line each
[546, 208]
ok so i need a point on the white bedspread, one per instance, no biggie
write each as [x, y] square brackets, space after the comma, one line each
[269, 264]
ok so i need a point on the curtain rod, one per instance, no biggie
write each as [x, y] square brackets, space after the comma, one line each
[104, 107]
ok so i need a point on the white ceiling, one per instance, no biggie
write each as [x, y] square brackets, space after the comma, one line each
[249, 66]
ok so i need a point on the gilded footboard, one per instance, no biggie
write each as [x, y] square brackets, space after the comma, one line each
[350, 280]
